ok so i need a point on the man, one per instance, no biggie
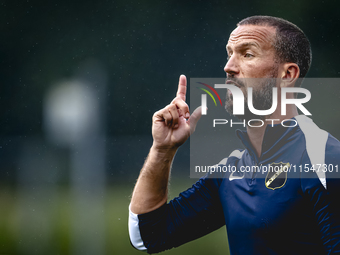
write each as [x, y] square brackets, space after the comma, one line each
[264, 214]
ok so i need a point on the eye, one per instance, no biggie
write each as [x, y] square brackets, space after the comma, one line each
[248, 55]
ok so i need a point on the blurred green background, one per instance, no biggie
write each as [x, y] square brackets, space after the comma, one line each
[80, 81]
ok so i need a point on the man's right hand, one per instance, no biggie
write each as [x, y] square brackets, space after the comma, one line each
[171, 127]
[173, 124]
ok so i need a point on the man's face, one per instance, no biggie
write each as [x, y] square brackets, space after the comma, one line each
[251, 55]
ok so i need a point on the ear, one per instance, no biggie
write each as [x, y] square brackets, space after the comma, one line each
[290, 74]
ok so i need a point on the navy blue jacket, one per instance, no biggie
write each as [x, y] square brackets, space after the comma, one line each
[290, 209]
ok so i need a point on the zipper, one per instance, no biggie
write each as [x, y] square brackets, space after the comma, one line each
[254, 173]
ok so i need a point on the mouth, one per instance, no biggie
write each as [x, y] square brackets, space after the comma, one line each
[233, 83]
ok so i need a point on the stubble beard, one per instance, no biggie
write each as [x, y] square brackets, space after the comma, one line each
[262, 97]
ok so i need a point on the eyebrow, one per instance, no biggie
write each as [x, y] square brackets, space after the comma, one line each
[244, 45]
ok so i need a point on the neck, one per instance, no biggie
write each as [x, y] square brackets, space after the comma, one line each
[256, 134]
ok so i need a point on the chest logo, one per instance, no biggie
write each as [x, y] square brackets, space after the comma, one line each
[277, 175]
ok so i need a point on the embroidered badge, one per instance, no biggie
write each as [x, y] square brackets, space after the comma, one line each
[277, 175]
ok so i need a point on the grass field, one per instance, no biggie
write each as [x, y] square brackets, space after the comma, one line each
[40, 222]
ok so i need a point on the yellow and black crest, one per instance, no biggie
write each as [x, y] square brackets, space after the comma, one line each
[277, 175]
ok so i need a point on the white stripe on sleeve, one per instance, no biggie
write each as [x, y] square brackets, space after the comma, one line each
[134, 232]
[316, 140]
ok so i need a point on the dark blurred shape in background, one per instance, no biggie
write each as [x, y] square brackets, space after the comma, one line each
[80, 81]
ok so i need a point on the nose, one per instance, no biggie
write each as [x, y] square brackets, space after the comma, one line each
[231, 67]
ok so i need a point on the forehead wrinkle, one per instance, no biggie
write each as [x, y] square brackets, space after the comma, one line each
[256, 34]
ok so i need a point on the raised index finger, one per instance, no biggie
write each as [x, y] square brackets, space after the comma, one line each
[182, 87]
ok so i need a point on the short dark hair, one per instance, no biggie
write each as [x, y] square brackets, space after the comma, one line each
[291, 44]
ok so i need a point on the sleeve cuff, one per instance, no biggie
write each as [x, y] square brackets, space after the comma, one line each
[134, 232]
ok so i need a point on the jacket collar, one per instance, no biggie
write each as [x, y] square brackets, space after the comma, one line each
[275, 137]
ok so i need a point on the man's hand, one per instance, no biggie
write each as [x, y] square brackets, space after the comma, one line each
[171, 127]
[173, 124]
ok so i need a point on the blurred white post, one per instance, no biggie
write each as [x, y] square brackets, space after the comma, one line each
[75, 117]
